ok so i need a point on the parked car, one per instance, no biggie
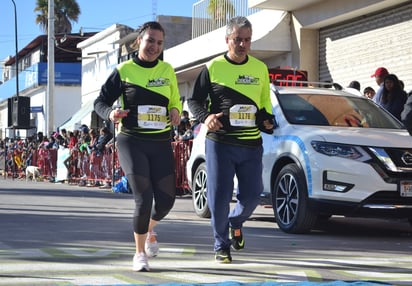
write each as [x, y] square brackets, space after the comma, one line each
[333, 153]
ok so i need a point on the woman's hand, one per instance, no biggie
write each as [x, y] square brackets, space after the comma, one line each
[117, 114]
[174, 117]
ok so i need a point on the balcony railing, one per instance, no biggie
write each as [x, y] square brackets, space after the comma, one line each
[209, 15]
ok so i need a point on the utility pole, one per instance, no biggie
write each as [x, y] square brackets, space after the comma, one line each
[50, 70]
[15, 100]
[17, 50]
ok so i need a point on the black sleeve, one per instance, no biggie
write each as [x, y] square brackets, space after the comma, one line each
[406, 115]
[109, 93]
[197, 102]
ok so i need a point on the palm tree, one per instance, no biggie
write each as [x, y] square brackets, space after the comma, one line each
[65, 12]
[220, 11]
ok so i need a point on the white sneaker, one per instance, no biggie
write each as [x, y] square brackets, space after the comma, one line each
[151, 246]
[140, 262]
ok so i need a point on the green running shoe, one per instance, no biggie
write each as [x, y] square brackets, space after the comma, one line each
[236, 236]
[223, 256]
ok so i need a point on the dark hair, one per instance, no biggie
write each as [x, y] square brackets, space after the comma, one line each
[153, 25]
[105, 130]
[240, 22]
[354, 84]
[92, 131]
[368, 89]
[397, 89]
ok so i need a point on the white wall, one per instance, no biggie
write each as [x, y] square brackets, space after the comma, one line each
[353, 50]
[99, 58]
[67, 101]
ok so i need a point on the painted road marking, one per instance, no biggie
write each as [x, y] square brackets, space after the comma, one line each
[97, 266]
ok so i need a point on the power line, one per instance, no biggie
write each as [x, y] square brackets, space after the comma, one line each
[154, 9]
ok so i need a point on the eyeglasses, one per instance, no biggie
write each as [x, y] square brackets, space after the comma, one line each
[239, 40]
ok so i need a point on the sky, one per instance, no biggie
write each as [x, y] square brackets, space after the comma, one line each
[96, 15]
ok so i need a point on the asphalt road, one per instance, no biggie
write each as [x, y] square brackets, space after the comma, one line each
[59, 234]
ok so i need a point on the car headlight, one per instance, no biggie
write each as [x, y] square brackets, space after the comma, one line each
[340, 150]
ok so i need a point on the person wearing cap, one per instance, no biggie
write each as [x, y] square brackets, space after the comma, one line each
[379, 76]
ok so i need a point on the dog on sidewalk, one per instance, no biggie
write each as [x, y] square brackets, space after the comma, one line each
[32, 172]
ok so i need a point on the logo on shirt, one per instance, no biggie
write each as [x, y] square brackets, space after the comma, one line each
[158, 82]
[154, 109]
[246, 108]
[247, 79]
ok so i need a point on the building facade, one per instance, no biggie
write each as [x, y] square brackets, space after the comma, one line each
[32, 85]
[333, 40]
[99, 55]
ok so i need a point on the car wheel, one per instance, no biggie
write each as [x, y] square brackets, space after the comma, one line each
[199, 192]
[290, 201]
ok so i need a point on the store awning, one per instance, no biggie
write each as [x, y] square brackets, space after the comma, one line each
[74, 121]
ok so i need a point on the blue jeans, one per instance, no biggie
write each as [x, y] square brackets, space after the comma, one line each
[223, 162]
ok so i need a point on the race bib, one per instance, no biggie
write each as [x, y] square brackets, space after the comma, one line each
[151, 116]
[243, 115]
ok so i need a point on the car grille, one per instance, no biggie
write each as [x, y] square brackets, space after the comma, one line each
[401, 157]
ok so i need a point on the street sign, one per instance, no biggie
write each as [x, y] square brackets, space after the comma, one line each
[36, 109]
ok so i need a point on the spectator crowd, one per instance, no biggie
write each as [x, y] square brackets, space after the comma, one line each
[86, 155]
[390, 95]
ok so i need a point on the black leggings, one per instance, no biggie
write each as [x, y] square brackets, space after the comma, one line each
[150, 171]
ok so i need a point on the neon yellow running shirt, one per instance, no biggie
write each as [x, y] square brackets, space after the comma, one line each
[237, 90]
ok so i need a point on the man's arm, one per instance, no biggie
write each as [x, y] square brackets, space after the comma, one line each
[197, 100]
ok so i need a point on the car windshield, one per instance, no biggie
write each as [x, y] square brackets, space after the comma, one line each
[335, 110]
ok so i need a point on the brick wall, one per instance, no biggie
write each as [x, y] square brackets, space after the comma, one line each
[353, 50]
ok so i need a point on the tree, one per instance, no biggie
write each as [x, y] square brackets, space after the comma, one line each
[220, 11]
[65, 12]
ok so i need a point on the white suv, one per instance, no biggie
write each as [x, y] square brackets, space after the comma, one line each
[333, 153]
